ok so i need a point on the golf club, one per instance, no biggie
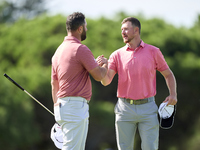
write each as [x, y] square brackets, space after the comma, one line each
[27, 93]
[56, 132]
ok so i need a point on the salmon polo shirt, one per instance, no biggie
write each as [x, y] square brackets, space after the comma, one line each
[70, 65]
[137, 70]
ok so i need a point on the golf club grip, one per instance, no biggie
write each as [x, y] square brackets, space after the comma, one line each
[13, 81]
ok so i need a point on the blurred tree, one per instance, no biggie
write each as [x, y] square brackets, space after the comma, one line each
[197, 23]
[11, 10]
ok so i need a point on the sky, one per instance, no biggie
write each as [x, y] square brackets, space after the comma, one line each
[176, 12]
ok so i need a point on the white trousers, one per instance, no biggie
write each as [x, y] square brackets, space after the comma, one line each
[72, 115]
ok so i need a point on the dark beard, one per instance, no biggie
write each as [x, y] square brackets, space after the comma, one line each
[83, 35]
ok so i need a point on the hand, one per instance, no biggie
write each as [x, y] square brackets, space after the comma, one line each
[101, 60]
[171, 100]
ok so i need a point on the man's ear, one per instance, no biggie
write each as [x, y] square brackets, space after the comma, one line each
[137, 30]
[80, 29]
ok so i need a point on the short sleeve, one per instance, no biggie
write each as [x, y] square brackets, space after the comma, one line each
[112, 64]
[86, 58]
[161, 64]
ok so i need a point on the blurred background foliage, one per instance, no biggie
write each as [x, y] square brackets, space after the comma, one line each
[27, 44]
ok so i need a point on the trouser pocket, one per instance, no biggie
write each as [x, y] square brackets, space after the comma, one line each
[57, 112]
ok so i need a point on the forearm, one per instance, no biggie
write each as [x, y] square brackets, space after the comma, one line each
[105, 81]
[54, 97]
[171, 84]
[170, 81]
[55, 87]
[108, 77]
[104, 70]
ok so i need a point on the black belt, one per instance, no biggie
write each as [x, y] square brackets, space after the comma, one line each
[139, 101]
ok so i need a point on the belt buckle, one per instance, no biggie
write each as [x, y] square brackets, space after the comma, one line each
[131, 102]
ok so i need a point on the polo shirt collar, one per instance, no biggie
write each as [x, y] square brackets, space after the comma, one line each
[130, 49]
[71, 38]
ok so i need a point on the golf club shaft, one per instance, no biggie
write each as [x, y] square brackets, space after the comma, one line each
[27, 93]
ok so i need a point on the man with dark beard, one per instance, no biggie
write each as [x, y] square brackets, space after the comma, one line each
[71, 86]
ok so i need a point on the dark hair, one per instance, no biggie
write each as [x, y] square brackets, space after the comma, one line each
[134, 22]
[74, 21]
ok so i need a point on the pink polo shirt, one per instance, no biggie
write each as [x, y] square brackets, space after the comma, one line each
[70, 65]
[137, 70]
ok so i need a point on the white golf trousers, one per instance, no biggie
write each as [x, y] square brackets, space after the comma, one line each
[72, 115]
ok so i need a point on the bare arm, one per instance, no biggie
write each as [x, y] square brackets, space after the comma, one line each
[171, 84]
[99, 72]
[54, 87]
[108, 78]
[110, 73]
